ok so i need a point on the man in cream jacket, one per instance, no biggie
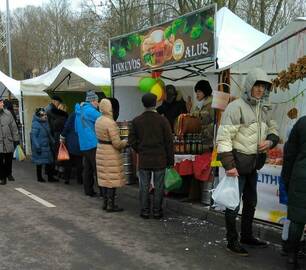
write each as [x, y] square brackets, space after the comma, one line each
[246, 133]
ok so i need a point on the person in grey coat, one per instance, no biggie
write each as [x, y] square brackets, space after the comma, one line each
[9, 139]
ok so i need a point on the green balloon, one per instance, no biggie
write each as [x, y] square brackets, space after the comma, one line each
[145, 84]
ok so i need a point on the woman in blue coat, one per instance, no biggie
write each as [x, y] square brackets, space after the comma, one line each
[42, 144]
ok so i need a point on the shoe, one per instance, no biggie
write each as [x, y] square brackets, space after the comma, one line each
[93, 194]
[254, 242]
[114, 208]
[41, 180]
[67, 182]
[52, 180]
[144, 216]
[292, 260]
[236, 248]
[158, 216]
[3, 181]
[10, 178]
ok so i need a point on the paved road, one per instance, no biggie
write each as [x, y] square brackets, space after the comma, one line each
[78, 235]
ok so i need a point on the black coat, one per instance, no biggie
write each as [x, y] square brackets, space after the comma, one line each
[57, 119]
[294, 171]
[150, 136]
[172, 110]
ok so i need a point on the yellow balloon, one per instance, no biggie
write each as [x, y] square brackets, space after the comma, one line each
[157, 90]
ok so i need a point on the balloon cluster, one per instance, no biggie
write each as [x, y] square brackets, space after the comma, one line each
[153, 85]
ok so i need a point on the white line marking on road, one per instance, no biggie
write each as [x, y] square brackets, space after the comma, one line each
[34, 197]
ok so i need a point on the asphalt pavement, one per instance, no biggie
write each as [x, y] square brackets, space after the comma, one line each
[76, 234]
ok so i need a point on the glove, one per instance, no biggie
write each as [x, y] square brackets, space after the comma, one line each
[16, 143]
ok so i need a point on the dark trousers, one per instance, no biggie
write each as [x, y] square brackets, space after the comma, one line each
[48, 171]
[89, 171]
[144, 186]
[77, 162]
[294, 236]
[247, 188]
[108, 193]
[5, 165]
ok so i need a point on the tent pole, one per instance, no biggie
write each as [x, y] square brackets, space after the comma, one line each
[22, 122]
[113, 87]
[53, 90]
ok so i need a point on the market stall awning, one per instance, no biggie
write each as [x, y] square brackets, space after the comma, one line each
[7, 84]
[80, 79]
[72, 75]
[37, 85]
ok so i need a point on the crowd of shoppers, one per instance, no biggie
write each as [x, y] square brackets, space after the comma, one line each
[91, 135]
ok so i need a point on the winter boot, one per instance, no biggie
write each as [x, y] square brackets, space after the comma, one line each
[3, 181]
[11, 178]
[39, 174]
[112, 206]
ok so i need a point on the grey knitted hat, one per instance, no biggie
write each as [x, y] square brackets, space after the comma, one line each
[91, 96]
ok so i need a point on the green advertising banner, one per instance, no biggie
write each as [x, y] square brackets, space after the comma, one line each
[185, 39]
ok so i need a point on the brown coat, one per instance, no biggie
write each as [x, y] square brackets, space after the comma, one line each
[109, 160]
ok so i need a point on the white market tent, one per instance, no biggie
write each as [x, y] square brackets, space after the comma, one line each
[234, 40]
[8, 84]
[70, 75]
[37, 85]
[80, 79]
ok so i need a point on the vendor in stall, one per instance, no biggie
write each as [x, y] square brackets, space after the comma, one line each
[202, 109]
[173, 105]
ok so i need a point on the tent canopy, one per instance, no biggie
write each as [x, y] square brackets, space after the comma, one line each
[284, 47]
[9, 84]
[70, 75]
[234, 38]
[80, 78]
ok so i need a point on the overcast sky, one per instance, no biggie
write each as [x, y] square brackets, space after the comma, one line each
[22, 3]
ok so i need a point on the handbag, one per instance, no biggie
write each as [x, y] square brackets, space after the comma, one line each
[62, 153]
[188, 124]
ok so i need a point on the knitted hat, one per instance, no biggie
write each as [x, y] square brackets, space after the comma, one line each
[91, 96]
[149, 100]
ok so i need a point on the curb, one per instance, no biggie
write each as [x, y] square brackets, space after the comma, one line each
[263, 230]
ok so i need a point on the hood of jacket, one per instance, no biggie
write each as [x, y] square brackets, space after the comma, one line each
[38, 119]
[106, 108]
[81, 106]
[256, 75]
